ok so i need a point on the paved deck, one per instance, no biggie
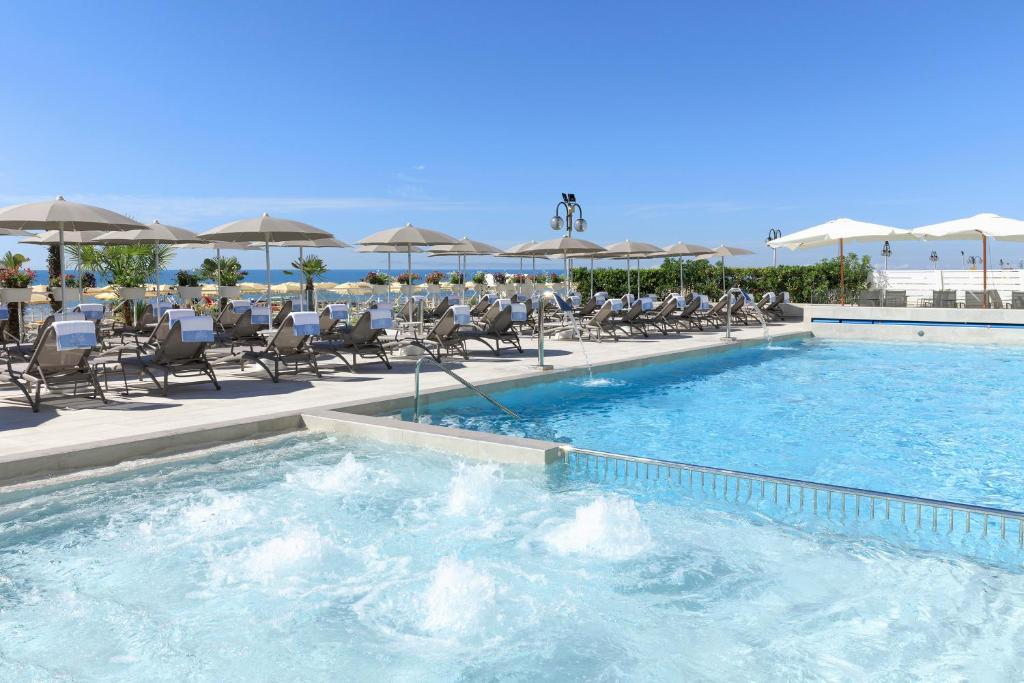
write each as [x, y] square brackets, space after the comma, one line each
[76, 423]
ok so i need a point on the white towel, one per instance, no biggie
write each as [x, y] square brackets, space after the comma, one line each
[380, 318]
[453, 300]
[337, 311]
[503, 304]
[785, 297]
[179, 313]
[518, 313]
[771, 297]
[616, 304]
[646, 304]
[69, 315]
[195, 328]
[600, 297]
[461, 314]
[306, 323]
[239, 305]
[705, 303]
[260, 315]
[75, 334]
[576, 299]
[90, 311]
[628, 299]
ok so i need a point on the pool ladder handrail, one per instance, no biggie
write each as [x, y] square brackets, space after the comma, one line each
[464, 382]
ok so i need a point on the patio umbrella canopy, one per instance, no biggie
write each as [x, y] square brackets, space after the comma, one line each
[681, 249]
[265, 229]
[63, 216]
[629, 249]
[840, 230]
[722, 251]
[983, 225]
[564, 247]
[408, 236]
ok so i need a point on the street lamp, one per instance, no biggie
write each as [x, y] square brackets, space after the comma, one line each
[569, 224]
[934, 258]
[886, 252]
[774, 234]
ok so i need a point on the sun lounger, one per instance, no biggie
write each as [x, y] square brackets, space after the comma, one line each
[177, 347]
[686, 317]
[363, 339]
[1017, 300]
[974, 298]
[944, 298]
[895, 298]
[495, 328]
[662, 318]
[60, 357]
[870, 297]
[289, 345]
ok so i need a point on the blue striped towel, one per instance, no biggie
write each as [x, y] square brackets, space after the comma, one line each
[195, 328]
[306, 323]
[628, 299]
[5, 314]
[179, 313]
[239, 305]
[461, 314]
[69, 315]
[646, 304]
[600, 297]
[75, 334]
[785, 297]
[380, 318]
[260, 315]
[337, 311]
[705, 304]
[503, 303]
[771, 297]
[453, 300]
[90, 311]
[518, 313]
[616, 304]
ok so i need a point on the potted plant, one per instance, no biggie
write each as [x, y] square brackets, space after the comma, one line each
[15, 281]
[408, 278]
[434, 278]
[379, 281]
[70, 289]
[555, 278]
[456, 278]
[189, 288]
[500, 278]
[226, 272]
[519, 279]
[479, 278]
[311, 267]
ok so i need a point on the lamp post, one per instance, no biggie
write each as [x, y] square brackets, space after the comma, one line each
[886, 253]
[569, 224]
[774, 234]
[934, 258]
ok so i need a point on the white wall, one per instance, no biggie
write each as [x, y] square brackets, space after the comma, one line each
[921, 283]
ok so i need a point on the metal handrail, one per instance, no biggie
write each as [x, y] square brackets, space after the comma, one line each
[465, 383]
[800, 485]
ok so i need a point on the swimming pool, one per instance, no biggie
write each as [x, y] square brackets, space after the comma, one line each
[926, 420]
[316, 558]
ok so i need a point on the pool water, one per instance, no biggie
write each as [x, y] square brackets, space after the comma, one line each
[315, 558]
[927, 420]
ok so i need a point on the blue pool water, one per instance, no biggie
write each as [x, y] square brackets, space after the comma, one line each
[312, 558]
[927, 420]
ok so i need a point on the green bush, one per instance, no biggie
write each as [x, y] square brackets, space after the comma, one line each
[817, 283]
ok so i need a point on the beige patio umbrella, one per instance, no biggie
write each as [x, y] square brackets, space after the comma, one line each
[982, 225]
[565, 247]
[722, 251]
[463, 248]
[388, 249]
[840, 230]
[407, 237]
[63, 216]
[682, 249]
[156, 233]
[628, 249]
[517, 251]
[265, 229]
[53, 237]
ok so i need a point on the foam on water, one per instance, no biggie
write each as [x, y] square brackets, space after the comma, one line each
[609, 527]
[601, 382]
[348, 476]
[457, 597]
[472, 488]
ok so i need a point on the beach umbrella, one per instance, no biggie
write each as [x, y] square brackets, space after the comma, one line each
[840, 230]
[463, 248]
[629, 249]
[722, 251]
[10, 232]
[565, 247]
[983, 225]
[265, 229]
[681, 249]
[156, 233]
[321, 243]
[388, 249]
[407, 237]
[63, 216]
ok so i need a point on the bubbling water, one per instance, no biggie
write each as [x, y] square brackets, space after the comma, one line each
[457, 598]
[610, 527]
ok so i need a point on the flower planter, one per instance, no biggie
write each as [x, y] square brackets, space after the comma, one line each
[380, 290]
[73, 297]
[15, 295]
[229, 291]
[189, 293]
[130, 293]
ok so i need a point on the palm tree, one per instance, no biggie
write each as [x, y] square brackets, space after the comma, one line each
[12, 261]
[311, 267]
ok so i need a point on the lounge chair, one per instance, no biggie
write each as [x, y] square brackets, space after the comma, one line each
[282, 314]
[687, 317]
[231, 314]
[714, 315]
[662, 318]
[994, 300]
[974, 298]
[289, 345]
[870, 297]
[1017, 300]
[60, 357]
[331, 316]
[606, 321]
[895, 298]
[177, 347]
[245, 332]
[483, 305]
[446, 334]
[363, 339]
[496, 327]
[944, 298]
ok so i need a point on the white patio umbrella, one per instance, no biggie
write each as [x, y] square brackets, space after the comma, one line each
[156, 233]
[722, 251]
[565, 247]
[63, 216]
[983, 225]
[407, 237]
[265, 229]
[682, 249]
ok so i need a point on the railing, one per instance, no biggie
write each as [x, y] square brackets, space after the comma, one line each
[822, 499]
[465, 383]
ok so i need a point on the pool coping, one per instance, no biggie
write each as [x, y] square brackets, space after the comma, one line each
[355, 418]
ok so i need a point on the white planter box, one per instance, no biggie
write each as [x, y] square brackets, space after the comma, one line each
[188, 293]
[130, 293]
[15, 295]
[72, 295]
[229, 291]
[380, 290]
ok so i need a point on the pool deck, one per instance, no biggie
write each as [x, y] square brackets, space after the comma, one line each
[194, 415]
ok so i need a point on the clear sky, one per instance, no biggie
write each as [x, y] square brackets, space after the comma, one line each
[703, 122]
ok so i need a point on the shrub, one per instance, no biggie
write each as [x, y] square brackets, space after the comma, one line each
[408, 278]
[375, 278]
[479, 277]
[187, 278]
[16, 278]
[435, 277]
[500, 278]
[456, 278]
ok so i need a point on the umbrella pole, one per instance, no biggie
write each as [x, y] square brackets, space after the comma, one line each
[591, 276]
[63, 294]
[408, 284]
[984, 269]
[629, 281]
[156, 264]
[723, 274]
[680, 274]
[302, 297]
[389, 280]
[842, 275]
[270, 308]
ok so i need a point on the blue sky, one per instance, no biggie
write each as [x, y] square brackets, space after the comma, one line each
[704, 122]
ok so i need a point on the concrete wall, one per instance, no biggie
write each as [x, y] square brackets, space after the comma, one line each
[919, 284]
[942, 325]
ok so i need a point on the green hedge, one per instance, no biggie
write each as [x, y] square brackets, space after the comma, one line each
[818, 283]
